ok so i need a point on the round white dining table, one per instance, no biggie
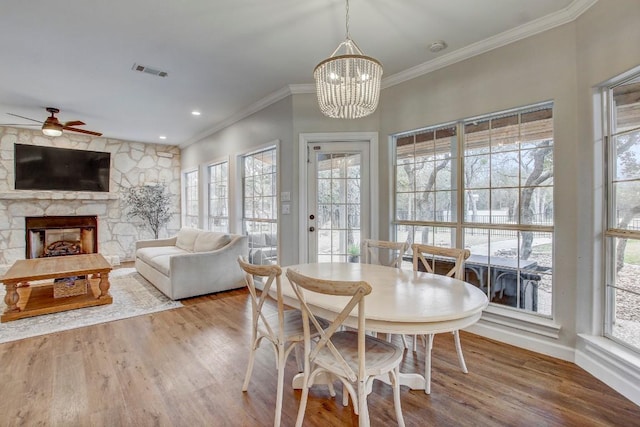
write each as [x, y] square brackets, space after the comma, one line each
[401, 301]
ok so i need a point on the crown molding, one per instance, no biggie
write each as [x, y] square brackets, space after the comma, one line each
[568, 14]
[302, 88]
[272, 98]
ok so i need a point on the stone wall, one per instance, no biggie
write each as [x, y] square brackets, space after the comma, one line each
[132, 164]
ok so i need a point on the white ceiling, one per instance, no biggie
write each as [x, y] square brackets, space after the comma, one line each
[225, 56]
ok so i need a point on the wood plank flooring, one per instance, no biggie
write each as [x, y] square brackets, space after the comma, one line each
[185, 367]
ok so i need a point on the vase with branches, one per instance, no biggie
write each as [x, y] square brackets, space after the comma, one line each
[151, 204]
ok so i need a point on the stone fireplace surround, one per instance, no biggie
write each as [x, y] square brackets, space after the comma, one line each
[132, 164]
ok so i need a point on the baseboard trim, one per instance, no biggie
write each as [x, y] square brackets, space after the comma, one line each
[614, 365]
[516, 338]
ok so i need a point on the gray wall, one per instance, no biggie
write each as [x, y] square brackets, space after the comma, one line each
[608, 44]
[270, 124]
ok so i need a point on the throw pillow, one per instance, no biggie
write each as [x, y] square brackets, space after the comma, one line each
[186, 238]
[210, 241]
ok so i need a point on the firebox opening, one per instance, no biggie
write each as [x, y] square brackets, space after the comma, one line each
[57, 236]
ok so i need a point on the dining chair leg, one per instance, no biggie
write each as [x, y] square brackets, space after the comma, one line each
[247, 376]
[363, 416]
[415, 343]
[427, 364]
[404, 341]
[463, 365]
[303, 400]
[281, 365]
[395, 383]
[345, 396]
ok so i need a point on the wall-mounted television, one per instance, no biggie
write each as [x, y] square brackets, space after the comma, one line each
[65, 169]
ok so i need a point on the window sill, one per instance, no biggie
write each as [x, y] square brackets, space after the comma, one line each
[522, 321]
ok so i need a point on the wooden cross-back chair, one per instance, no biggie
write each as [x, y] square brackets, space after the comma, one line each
[422, 254]
[283, 329]
[342, 353]
[428, 256]
[372, 251]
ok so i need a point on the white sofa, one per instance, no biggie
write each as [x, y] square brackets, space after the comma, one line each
[194, 262]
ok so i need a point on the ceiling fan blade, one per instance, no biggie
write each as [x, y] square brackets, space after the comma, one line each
[23, 117]
[74, 123]
[88, 132]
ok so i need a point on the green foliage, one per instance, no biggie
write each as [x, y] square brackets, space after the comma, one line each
[632, 253]
[151, 204]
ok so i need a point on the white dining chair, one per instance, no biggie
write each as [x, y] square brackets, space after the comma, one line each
[382, 252]
[283, 329]
[428, 256]
[353, 357]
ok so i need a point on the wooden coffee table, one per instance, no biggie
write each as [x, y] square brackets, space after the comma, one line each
[25, 300]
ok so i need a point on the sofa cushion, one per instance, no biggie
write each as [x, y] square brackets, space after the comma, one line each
[187, 238]
[162, 263]
[148, 254]
[210, 241]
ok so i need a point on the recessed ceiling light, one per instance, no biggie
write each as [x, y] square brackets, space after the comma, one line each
[163, 137]
[195, 113]
[437, 46]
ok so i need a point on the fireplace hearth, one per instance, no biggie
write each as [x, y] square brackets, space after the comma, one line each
[60, 235]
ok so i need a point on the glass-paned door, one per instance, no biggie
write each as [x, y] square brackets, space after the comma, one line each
[338, 211]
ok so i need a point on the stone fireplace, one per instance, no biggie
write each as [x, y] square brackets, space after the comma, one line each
[132, 164]
[60, 235]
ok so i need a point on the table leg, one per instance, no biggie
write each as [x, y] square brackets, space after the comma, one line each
[104, 285]
[11, 298]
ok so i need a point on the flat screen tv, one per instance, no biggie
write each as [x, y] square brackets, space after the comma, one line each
[51, 168]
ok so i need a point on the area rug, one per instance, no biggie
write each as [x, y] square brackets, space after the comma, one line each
[132, 296]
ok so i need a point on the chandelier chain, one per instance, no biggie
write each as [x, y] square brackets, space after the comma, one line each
[347, 20]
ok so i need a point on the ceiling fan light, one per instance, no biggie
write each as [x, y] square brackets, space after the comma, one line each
[51, 129]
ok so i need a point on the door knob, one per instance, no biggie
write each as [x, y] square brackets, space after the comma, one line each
[312, 229]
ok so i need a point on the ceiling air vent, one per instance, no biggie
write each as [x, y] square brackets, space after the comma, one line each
[149, 70]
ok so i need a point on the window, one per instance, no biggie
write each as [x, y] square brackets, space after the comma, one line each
[218, 192]
[503, 164]
[622, 248]
[260, 210]
[190, 191]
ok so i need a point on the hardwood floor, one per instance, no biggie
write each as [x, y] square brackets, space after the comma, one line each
[185, 367]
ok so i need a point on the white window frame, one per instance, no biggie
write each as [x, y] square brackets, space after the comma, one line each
[460, 225]
[275, 222]
[207, 208]
[611, 231]
[185, 198]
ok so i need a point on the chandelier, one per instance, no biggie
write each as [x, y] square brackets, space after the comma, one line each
[348, 84]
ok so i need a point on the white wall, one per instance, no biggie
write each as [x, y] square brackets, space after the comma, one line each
[608, 40]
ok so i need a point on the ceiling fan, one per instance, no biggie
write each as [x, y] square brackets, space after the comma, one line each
[52, 127]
